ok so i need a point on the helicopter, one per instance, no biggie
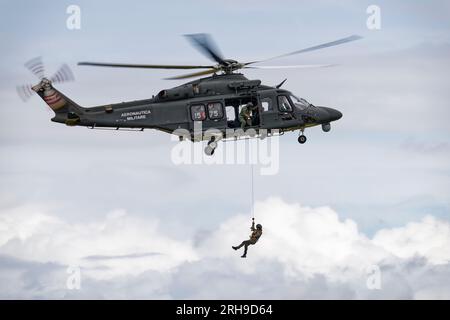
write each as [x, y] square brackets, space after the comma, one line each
[213, 102]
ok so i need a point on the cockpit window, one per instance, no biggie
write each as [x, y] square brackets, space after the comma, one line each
[300, 102]
[284, 104]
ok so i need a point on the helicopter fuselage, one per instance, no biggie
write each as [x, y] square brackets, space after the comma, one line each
[215, 102]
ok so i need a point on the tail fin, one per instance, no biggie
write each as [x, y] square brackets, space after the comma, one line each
[66, 111]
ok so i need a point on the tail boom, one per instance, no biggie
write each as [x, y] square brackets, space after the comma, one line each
[66, 111]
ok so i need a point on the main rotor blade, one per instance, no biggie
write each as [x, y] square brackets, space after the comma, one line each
[318, 47]
[36, 66]
[300, 66]
[204, 43]
[143, 66]
[63, 74]
[192, 75]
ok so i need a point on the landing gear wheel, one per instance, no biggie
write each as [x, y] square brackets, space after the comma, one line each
[302, 139]
[209, 151]
[212, 144]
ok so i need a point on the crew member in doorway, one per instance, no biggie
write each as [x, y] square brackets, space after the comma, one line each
[245, 116]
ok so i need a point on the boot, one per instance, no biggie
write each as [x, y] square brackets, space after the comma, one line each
[235, 248]
[244, 256]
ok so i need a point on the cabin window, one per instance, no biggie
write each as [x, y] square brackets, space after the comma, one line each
[215, 110]
[196, 88]
[198, 112]
[283, 104]
[231, 112]
[266, 104]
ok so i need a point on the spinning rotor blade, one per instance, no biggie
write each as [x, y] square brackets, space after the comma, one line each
[318, 47]
[36, 66]
[300, 66]
[64, 74]
[143, 66]
[192, 75]
[204, 43]
[25, 92]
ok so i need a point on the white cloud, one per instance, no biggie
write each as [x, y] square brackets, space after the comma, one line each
[428, 238]
[304, 252]
[30, 234]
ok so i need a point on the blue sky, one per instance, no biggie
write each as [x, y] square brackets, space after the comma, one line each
[383, 165]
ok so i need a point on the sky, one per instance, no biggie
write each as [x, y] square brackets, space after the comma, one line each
[114, 206]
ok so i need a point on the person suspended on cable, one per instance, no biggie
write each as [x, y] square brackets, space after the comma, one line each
[254, 237]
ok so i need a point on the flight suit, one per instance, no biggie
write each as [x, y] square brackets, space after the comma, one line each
[245, 116]
[254, 237]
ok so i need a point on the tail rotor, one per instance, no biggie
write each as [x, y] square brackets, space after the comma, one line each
[36, 66]
[63, 74]
[25, 92]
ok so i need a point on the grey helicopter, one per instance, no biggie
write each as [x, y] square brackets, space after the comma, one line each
[214, 102]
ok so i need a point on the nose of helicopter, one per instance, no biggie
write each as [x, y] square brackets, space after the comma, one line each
[333, 114]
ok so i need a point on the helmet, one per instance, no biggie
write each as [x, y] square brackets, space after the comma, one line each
[258, 226]
[250, 104]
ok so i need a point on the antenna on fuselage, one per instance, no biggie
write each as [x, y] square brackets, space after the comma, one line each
[282, 82]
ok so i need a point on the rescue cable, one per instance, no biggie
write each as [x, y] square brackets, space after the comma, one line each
[251, 173]
[253, 194]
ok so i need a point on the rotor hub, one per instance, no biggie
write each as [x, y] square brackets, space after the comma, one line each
[230, 65]
[43, 85]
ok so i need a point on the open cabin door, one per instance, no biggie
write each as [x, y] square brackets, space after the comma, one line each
[234, 106]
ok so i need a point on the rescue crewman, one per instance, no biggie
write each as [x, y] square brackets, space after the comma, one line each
[245, 116]
[256, 234]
